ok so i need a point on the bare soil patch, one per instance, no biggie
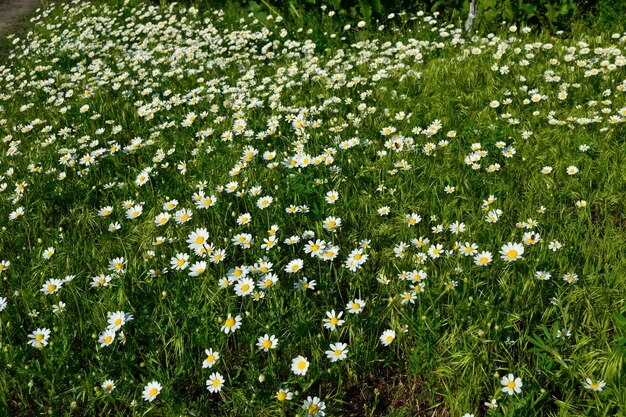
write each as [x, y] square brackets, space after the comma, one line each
[12, 12]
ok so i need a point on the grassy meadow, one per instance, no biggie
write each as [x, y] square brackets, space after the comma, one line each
[210, 213]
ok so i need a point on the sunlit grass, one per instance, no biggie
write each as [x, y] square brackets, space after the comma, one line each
[209, 214]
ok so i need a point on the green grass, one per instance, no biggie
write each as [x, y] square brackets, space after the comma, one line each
[471, 326]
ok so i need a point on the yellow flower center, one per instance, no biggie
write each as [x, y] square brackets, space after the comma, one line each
[511, 384]
[118, 322]
[39, 337]
[355, 306]
[184, 217]
[51, 287]
[302, 365]
[512, 254]
[281, 396]
[338, 352]
[334, 320]
[153, 392]
[180, 262]
[245, 287]
[313, 409]
[267, 344]
[358, 256]
[107, 339]
[199, 240]
[230, 322]
[217, 382]
[484, 260]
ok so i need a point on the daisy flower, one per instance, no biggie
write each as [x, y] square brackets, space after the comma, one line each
[512, 252]
[493, 403]
[56, 308]
[572, 170]
[134, 211]
[39, 338]
[215, 382]
[151, 391]
[337, 352]
[294, 266]
[332, 224]
[333, 320]
[108, 386]
[264, 202]
[182, 216]
[231, 324]
[267, 342]
[511, 385]
[555, 245]
[197, 238]
[384, 211]
[211, 358]
[101, 281]
[244, 287]
[47, 254]
[594, 385]
[117, 265]
[180, 261]
[162, 219]
[387, 337]
[332, 197]
[51, 286]
[105, 211]
[284, 395]
[197, 269]
[170, 205]
[113, 227]
[543, 275]
[314, 407]
[355, 306]
[304, 284]
[106, 338]
[299, 365]
[244, 219]
[413, 219]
